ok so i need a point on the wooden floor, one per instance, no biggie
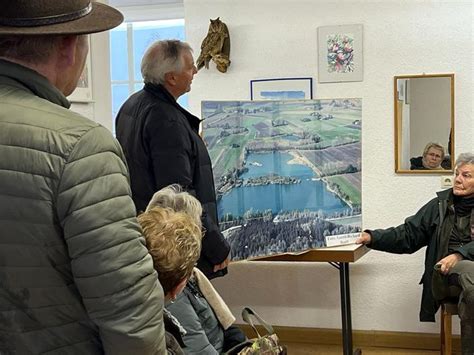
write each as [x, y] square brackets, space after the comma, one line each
[310, 349]
[303, 341]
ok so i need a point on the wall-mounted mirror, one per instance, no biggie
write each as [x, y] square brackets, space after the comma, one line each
[424, 123]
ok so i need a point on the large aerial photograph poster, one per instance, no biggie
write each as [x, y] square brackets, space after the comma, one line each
[287, 173]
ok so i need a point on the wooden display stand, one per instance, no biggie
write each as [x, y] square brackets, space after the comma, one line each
[339, 257]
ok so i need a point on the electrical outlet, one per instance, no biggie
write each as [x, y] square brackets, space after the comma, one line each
[447, 181]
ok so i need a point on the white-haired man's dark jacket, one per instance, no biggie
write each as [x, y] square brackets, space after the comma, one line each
[162, 145]
[75, 275]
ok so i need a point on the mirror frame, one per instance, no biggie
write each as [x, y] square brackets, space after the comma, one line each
[397, 119]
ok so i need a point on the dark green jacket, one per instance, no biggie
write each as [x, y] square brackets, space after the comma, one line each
[428, 227]
[75, 275]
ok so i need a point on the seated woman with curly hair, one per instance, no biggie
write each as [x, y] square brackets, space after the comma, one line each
[173, 240]
[199, 308]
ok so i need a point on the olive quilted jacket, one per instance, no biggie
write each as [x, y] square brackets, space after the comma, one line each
[75, 275]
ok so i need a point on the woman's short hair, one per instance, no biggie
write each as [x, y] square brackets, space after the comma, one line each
[174, 242]
[163, 57]
[174, 197]
[465, 158]
[435, 146]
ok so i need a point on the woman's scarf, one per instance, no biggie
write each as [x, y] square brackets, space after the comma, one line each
[464, 206]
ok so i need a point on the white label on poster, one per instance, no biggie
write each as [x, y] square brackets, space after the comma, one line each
[341, 239]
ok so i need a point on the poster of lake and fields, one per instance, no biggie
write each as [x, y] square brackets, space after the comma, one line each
[287, 173]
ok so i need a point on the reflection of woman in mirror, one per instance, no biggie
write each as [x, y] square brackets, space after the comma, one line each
[432, 159]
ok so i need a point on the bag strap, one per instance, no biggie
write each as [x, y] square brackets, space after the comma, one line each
[246, 316]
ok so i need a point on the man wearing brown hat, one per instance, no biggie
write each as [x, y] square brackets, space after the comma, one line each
[75, 275]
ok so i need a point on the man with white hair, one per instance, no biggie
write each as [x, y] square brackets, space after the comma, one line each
[75, 275]
[162, 144]
[446, 226]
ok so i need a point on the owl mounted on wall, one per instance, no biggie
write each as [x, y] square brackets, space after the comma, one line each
[215, 46]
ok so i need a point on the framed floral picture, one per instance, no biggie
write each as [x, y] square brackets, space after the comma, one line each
[340, 55]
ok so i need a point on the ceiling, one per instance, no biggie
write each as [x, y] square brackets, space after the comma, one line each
[122, 3]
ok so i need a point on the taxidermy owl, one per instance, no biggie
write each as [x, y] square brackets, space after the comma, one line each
[215, 46]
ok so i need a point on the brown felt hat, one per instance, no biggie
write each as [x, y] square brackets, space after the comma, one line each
[56, 17]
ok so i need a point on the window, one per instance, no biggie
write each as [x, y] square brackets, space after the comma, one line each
[128, 43]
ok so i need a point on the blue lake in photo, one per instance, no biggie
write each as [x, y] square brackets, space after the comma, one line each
[308, 194]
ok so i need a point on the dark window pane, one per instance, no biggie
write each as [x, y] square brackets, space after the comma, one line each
[145, 33]
[118, 53]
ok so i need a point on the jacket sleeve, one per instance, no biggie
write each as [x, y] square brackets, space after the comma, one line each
[415, 233]
[110, 264]
[196, 340]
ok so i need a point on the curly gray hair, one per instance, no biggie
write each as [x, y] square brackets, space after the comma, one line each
[175, 198]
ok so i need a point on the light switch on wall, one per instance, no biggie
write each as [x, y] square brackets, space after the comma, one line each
[447, 181]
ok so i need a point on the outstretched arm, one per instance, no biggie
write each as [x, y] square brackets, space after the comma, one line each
[364, 238]
[415, 233]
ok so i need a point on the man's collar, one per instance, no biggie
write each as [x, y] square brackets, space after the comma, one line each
[160, 91]
[28, 79]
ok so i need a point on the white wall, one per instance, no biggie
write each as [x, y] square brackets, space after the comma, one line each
[101, 91]
[100, 109]
[271, 39]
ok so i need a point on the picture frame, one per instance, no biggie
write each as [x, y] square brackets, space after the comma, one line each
[401, 90]
[407, 92]
[340, 53]
[281, 89]
[83, 91]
